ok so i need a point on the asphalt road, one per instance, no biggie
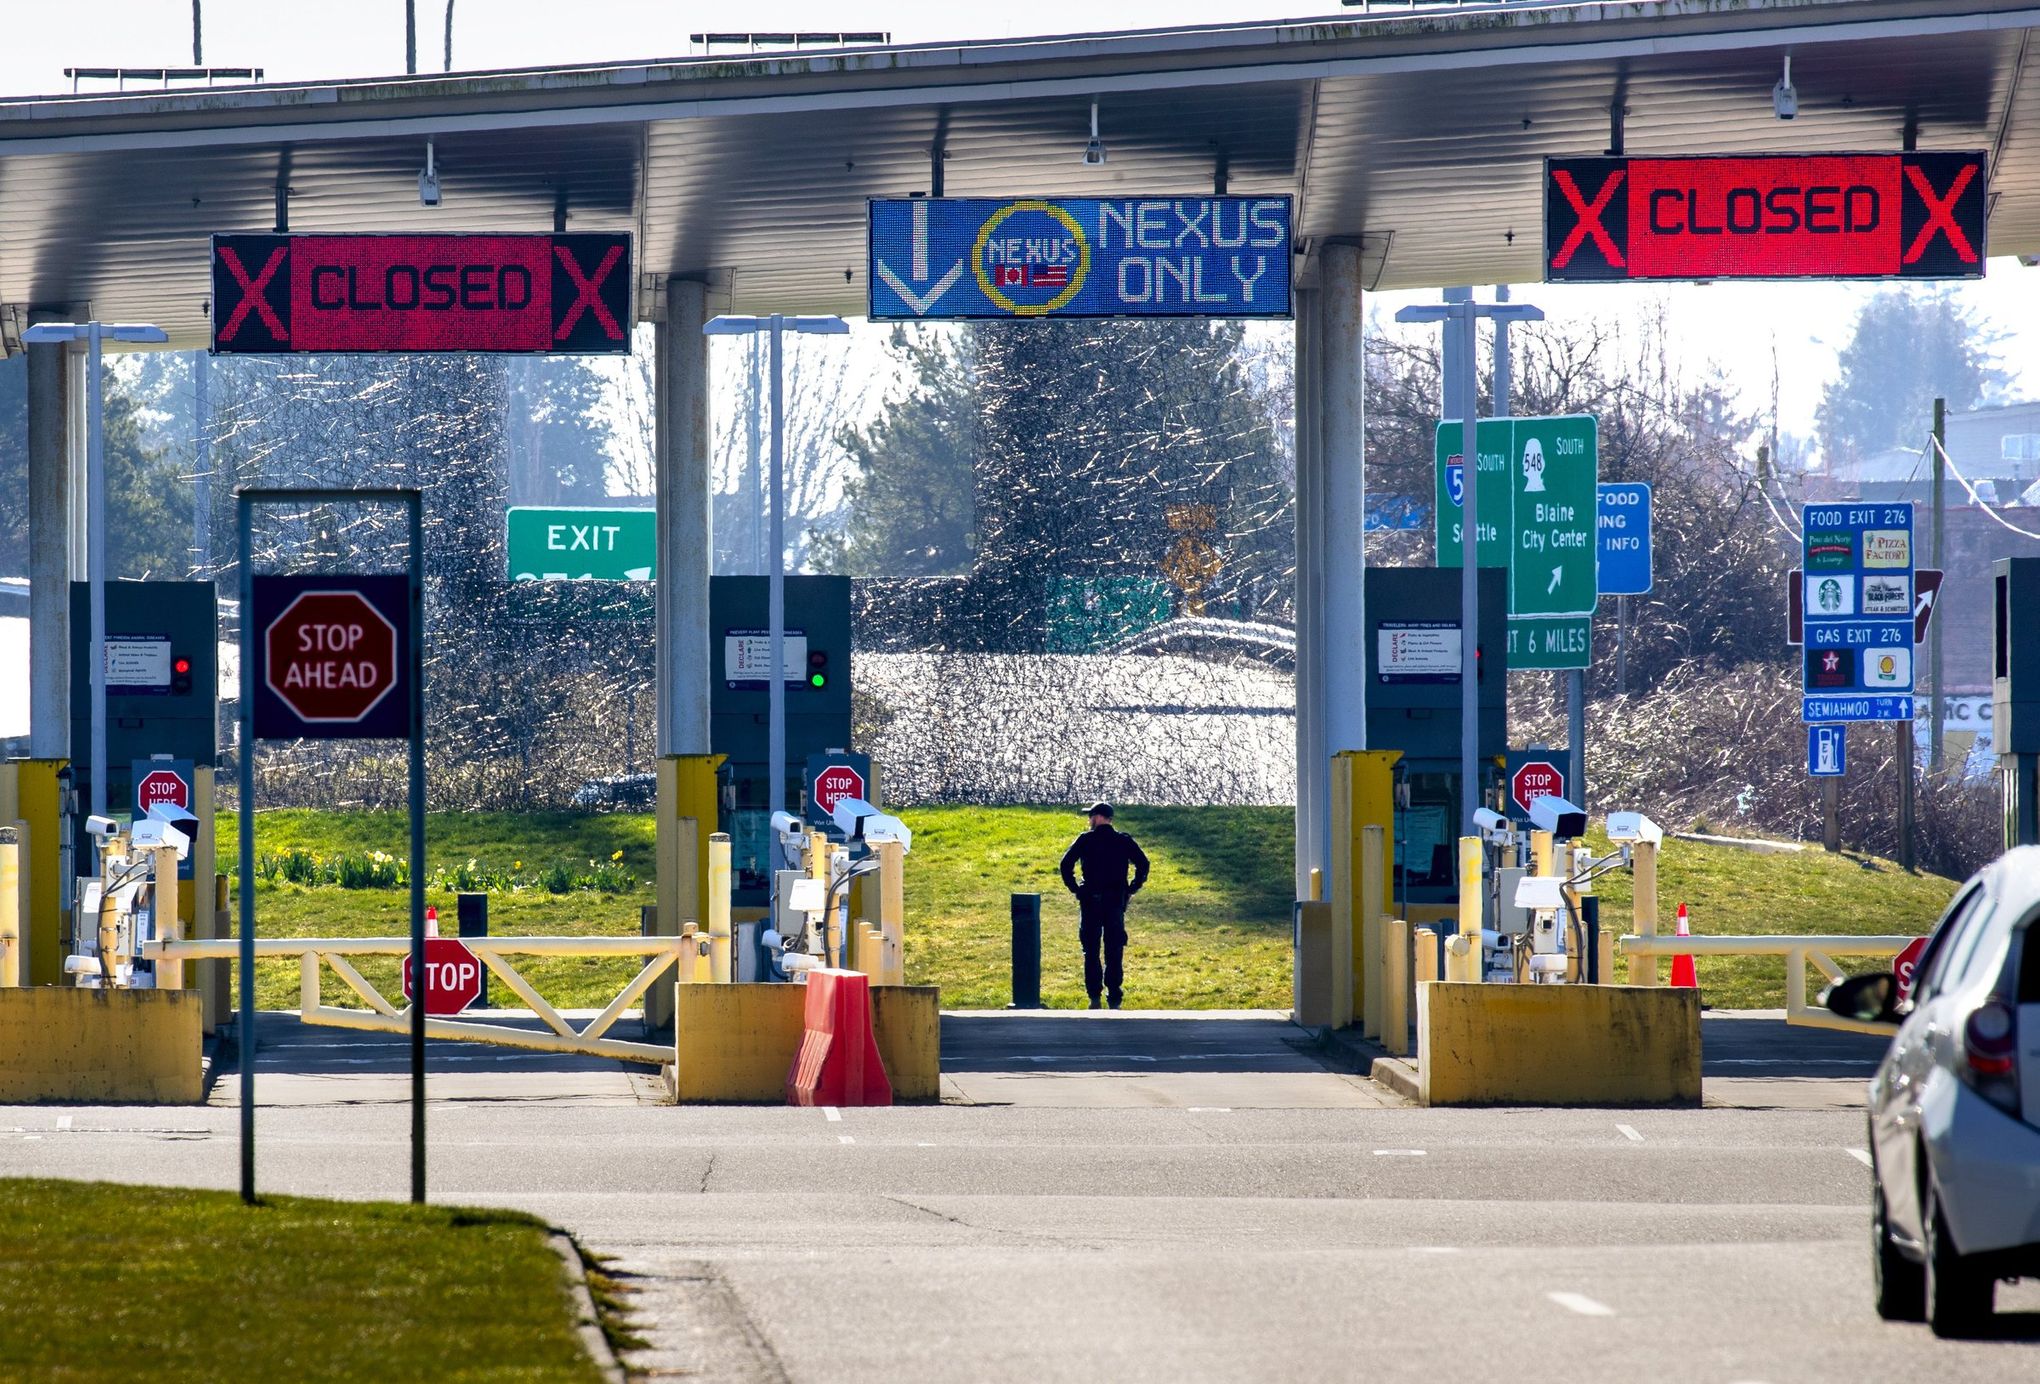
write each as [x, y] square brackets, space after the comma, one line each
[1113, 1222]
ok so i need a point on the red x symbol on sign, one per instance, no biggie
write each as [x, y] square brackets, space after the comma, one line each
[587, 293]
[1940, 214]
[1590, 214]
[252, 293]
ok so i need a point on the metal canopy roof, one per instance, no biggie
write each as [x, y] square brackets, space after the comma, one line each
[1420, 134]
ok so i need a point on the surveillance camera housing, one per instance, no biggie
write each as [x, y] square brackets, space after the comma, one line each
[156, 834]
[1487, 819]
[1785, 100]
[428, 189]
[1094, 153]
[101, 826]
[1634, 826]
[858, 820]
[1559, 817]
[1540, 893]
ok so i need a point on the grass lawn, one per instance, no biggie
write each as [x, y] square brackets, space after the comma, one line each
[117, 1283]
[1210, 931]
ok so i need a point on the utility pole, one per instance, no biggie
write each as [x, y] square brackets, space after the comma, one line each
[197, 34]
[1937, 722]
[411, 37]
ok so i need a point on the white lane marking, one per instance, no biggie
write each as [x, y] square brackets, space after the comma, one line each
[1398, 1153]
[1434, 1249]
[63, 1122]
[923, 1144]
[1629, 1133]
[1211, 1110]
[1861, 1156]
[831, 1114]
[1585, 1306]
[845, 1139]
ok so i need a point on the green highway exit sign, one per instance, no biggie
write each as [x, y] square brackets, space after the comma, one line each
[1538, 510]
[550, 544]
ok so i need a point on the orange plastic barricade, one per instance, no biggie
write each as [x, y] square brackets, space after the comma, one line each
[838, 1062]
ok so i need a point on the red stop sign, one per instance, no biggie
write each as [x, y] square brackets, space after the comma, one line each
[161, 786]
[835, 783]
[1534, 780]
[1903, 965]
[331, 656]
[453, 976]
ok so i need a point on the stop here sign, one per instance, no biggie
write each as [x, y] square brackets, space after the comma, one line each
[161, 786]
[835, 783]
[331, 654]
[453, 976]
[1537, 779]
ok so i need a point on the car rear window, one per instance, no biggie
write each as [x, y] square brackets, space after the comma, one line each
[2029, 961]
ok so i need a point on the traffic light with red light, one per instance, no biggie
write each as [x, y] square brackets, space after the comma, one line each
[180, 674]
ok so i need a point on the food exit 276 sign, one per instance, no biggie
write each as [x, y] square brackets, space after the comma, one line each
[936, 258]
[1918, 215]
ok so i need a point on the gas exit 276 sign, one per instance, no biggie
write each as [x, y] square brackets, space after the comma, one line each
[292, 294]
[1917, 215]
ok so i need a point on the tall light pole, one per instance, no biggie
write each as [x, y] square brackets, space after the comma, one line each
[775, 328]
[1464, 317]
[93, 334]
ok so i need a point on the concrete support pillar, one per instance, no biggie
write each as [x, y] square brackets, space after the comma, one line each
[1344, 559]
[681, 469]
[1313, 783]
[55, 541]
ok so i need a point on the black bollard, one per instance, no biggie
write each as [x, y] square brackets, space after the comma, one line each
[1026, 951]
[473, 912]
[1590, 918]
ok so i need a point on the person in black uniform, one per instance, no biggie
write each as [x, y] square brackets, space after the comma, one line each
[1106, 857]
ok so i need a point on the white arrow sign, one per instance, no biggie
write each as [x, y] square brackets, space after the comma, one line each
[920, 303]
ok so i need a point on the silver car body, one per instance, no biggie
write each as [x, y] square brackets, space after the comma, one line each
[1931, 1128]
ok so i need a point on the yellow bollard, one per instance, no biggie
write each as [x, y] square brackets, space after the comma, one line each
[719, 905]
[892, 907]
[1643, 970]
[163, 894]
[1464, 961]
[1372, 869]
[1395, 987]
[10, 909]
[1424, 955]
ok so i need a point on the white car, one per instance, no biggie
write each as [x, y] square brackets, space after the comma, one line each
[1955, 1106]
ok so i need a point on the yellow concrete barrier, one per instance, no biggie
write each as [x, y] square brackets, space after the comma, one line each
[1320, 980]
[29, 795]
[735, 1043]
[129, 1047]
[1557, 1045]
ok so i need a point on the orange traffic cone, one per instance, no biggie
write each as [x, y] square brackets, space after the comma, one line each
[432, 920]
[1682, 964]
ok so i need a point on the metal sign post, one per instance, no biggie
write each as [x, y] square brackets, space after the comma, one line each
[321, 659]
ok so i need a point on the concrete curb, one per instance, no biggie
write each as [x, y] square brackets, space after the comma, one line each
[1365, 1057]
[593, 1339]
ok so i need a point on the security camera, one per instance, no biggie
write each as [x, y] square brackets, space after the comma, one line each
[1785, 96]
[428, 179]
[786, 824]
[1557, 816]
[101, 826]
[155, 834]
[858, 820]
[1489, 820]
[1540, 893]
[1634, 826]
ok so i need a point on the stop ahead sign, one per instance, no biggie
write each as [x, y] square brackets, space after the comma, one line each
[330, 657]
[161, 786]
[1904, 964]
[453, 976]
[835, 783]
[1538, 778]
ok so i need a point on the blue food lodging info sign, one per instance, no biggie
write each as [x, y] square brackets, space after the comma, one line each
[950, 258]
[1624, 529]
[1856, 561]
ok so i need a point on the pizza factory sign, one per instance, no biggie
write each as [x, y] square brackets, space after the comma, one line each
[1914, 215]
[293, 294]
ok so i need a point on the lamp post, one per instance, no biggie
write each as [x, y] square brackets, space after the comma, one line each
[93, 334]
[1463, 318]
[774, 328]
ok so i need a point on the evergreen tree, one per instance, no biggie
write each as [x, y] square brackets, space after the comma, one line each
[1907, 350]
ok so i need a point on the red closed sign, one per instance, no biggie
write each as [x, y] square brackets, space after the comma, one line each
[453, 976]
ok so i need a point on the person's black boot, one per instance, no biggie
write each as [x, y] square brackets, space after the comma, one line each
[1114, 1001]
[1094, 1002]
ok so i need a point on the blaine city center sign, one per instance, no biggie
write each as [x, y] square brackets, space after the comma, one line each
[945, 258]
[1539, 511]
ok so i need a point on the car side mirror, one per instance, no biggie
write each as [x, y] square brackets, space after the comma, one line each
[1869, 998]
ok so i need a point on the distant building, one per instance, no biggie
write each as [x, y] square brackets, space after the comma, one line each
[1997, 450]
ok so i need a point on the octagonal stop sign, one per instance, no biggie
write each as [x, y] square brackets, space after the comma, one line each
[330, 657]
[1533, 780]
[453, 976]
[835, 783]
[1905, 964]
[161, 786]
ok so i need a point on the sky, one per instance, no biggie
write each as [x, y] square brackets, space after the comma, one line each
[1733, 327]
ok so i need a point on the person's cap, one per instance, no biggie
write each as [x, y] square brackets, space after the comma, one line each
[1100, 810]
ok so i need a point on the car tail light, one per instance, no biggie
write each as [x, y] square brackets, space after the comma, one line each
[1990, 1044]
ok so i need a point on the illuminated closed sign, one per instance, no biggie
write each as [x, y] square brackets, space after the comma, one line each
[934, 258]
[287, 294]
[1765, 216]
